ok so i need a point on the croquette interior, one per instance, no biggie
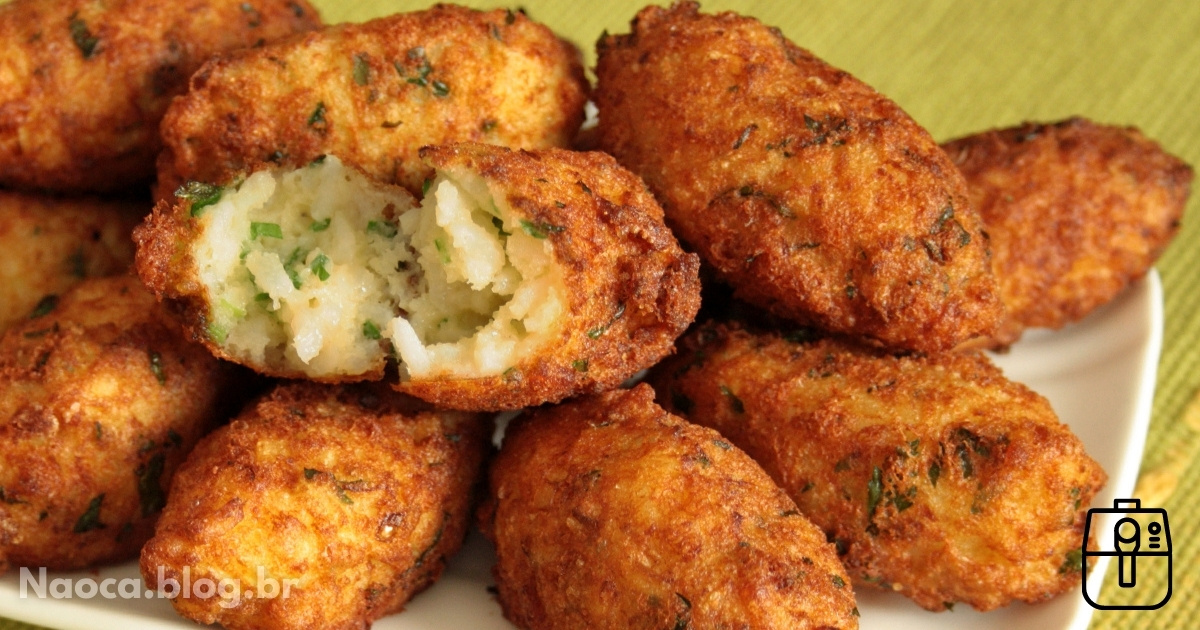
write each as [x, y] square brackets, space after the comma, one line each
[320, 271]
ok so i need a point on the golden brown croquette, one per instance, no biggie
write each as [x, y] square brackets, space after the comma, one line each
[810, 193]
[935, 476]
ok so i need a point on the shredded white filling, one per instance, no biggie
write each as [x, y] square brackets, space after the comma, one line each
[321, 271]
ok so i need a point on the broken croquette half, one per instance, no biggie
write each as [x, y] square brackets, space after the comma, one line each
[523, 277]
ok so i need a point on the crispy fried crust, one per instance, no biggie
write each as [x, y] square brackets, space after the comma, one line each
[165, 264]
[607, 512]
[935, 476]
[373, 94]
[100, 400]
[356, 493]
[1076, 211]
[83, 85]
[812, 195]
[631, 289]
[52, 243]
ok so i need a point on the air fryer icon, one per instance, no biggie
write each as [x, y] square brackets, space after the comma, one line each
[1141, 548]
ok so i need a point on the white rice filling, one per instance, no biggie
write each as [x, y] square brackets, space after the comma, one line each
[321, 271]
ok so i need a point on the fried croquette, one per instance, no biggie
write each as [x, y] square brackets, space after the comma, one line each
[1076, 212]
[84, 84]
[51, 244]
[811, 194]
[525, 276]
[935, 476]
[100, 400]
[373, 94]
[607, 512]
[320, 506]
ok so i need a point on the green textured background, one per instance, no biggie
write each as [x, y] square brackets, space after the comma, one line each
[961, 67]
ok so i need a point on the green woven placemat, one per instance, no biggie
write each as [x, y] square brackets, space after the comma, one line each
[960, 67]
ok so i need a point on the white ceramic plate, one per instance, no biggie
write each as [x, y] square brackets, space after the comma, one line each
[1098, 374]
